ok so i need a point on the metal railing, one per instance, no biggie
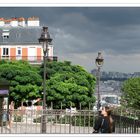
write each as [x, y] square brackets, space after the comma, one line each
[66, 121]
[57, 121]
[127, 120]
[31, 59]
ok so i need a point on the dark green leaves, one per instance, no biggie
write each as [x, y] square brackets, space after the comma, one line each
[131, 93]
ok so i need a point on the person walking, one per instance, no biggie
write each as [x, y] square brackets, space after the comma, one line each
[104, 123]
[11, 112]
[5, 115]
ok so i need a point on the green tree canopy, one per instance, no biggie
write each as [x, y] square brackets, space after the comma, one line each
[131, 93]
[69, 84]
[66, 83]
[25, 81]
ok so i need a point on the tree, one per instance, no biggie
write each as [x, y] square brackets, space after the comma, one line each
[66, 83]
[25, 81]
[131, 93]
[69, 84]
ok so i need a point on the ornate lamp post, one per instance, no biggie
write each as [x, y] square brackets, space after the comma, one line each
[44, 40]
[99, 63]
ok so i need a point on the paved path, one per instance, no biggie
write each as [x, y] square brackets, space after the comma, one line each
[24, 128]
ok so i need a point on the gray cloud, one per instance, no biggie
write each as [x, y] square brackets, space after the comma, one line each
[79, 33]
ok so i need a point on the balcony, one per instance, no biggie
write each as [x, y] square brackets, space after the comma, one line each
[30, 59]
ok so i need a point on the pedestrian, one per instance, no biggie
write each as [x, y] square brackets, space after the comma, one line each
[104, 123]
[11, 112]
[5, 117]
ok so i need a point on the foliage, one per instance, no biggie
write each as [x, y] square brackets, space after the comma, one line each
[37, 120]
[127, 112]
[18, 118]
[69, 84]
[76, 120]
[66, 83]
[131, 93]
[25, 81]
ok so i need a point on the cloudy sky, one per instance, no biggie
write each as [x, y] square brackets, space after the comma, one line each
[79, 33]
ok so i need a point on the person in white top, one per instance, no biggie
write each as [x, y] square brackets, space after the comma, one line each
[7, 114]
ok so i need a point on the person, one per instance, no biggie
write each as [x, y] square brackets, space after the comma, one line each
[11, 111]
[5, 114]
[104, 123]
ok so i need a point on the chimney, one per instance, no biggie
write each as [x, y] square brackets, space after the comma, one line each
[2, 23]
[21, 21]
[13, 22]
[33, 21]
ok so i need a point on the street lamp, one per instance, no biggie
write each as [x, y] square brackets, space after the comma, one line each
[45, 40]
[99, 63]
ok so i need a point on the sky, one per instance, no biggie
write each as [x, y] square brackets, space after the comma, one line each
[79, 33]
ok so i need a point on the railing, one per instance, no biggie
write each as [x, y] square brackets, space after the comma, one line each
[31, 59]
[127, 120]
[57, 121]
[67, 121]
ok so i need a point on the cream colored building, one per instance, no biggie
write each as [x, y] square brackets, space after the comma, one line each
[19, 40]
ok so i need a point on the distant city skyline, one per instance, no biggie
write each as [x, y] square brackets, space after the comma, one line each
[79, 33]
[102, 71]
[111, 75]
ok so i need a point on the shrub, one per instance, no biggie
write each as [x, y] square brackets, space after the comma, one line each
[77, 120]
[18, 118]
[37, 120]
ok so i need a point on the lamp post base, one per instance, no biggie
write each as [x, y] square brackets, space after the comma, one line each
[98, 105]
[43, 123]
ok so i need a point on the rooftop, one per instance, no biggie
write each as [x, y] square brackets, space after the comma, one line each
[20, 35]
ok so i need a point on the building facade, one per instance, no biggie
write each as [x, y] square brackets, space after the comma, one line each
[19, 40]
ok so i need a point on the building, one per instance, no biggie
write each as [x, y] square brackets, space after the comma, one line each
[19, 40]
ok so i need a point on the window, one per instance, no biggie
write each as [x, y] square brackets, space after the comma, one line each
[5, 51]
[5, 34]
[18, 51]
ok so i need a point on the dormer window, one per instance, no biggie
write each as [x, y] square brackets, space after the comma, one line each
[5, 34]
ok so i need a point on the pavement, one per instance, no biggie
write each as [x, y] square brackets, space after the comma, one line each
[18, 128]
